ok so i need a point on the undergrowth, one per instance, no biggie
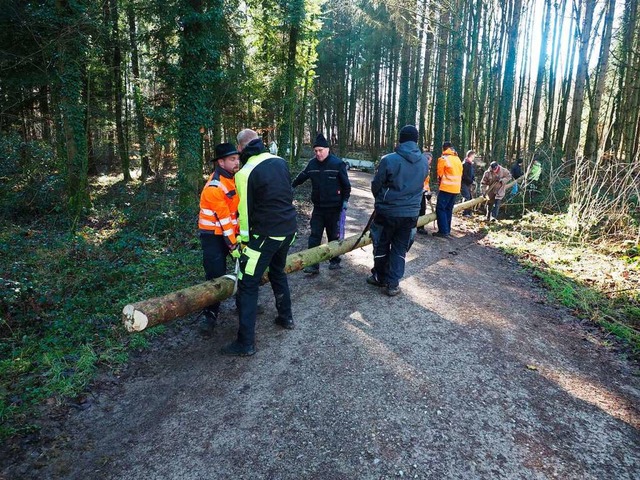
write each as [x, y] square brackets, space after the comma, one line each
[597, 281]
[62, 291]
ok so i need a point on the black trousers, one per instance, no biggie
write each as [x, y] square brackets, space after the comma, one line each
[392, 239]
[261, 253]
[214, 260]
[325, 220]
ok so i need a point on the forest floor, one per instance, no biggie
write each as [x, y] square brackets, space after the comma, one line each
[472, 372]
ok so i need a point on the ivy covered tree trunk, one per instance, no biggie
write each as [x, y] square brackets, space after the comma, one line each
[193, 116]
[295, 17]
[69, 67]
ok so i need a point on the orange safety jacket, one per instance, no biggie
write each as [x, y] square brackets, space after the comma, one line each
[219, 206]
[449, 172]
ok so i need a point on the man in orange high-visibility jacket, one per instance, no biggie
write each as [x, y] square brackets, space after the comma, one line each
[218, 223]
[449, 181]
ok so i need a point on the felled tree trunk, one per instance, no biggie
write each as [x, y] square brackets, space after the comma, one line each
[141, 315]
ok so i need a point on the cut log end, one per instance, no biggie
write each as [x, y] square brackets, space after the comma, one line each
[134, 320]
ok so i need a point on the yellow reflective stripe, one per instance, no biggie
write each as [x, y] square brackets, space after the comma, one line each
[252, 261]
[278, 238]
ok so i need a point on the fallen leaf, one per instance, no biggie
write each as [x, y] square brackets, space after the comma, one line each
[532, 367]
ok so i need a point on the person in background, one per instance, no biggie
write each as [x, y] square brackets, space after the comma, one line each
[534, 173]
[516, 169]
[449, 183]
[397, 187]
[330, 191]
[273, 147]
[468, 179]
[267, 220]
[218, 224]
[493, 187]
[426, 192]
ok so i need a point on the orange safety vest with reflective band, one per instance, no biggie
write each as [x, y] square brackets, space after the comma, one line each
[449, 172]
[219, 207]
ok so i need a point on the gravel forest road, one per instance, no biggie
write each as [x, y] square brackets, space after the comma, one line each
[469, 373]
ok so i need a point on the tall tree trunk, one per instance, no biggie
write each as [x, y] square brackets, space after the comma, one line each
[295, 17]
[377, 124]
[426, 75]
[138, 98]
[592, 142]
[405, 74]
[542, 65]
[123, 151]
[553, 68]
[193, 115]
[70, 67]
[506, 99]
[566, 85]
[441, 83]
[470, 92]
[454, 94]
[573, 133]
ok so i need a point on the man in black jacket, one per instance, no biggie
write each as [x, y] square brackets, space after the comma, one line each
[468, 179]
[330, 191]
[267, 220]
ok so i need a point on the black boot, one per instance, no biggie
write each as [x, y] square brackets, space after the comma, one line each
[207, 321]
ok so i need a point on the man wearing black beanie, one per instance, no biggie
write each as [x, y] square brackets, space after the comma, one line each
[397, 188]
[330, 191]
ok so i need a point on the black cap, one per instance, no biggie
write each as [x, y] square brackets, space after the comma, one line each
[408, 133]
[224, 150]
[321, 142]
[447, 146]
[494, 165]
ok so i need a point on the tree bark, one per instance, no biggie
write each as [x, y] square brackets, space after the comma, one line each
[542, 65]
[506, 98]
[592, 141]
[138, 98]
[575, 122]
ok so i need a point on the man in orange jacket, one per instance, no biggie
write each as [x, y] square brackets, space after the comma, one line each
[449, 181]
[218, 224]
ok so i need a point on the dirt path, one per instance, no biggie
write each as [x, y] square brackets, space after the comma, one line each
[469, 373]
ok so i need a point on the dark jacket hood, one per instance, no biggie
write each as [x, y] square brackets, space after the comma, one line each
[409, 151]
[254, 147]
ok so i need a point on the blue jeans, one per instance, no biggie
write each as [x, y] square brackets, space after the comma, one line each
[493, 207]
[261, 253]
[392, 238]
[444, 211]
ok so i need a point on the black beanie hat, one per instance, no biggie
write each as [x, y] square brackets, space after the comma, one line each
[408, 133]
[321, 142]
